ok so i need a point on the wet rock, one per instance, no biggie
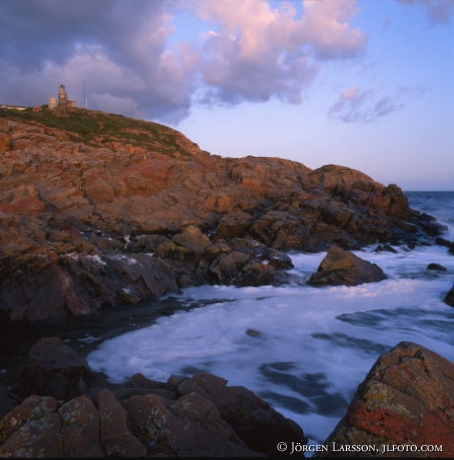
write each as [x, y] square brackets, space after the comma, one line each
[449, 298]
[444, 242]
[435, 266]
[406, 401]
[340, 267]
[386, 248]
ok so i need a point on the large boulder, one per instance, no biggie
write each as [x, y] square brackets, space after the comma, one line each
[404, 407]
[340, 267]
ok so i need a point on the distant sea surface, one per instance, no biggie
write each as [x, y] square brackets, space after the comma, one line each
[303, 349]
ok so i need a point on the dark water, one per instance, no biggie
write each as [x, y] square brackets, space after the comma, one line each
[437, 204]
[83, 333]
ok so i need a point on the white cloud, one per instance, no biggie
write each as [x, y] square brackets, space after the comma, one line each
[260, 52]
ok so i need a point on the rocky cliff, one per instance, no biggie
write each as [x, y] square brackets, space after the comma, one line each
[99, 210]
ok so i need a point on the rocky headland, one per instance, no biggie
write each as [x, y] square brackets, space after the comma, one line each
[99, 211]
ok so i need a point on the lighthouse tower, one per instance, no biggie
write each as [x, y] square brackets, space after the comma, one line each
[62, 96]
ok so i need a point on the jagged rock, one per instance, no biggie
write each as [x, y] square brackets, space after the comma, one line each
[385, 247]
[449, 298]
[32, 430]
[184, 417]
[407, 399]
[191, 426]
[340, 267]
[260, 426]
[114, 434]
[444, 242]
[80, 428]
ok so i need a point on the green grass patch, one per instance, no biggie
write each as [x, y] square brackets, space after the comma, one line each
[95, 128]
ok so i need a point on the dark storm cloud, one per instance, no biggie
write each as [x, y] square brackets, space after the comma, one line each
[33, 31]
[118, 47]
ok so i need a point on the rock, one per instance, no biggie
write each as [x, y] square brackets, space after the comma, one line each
[435, 266]
[255, 422]
[449, 298]
[184, 417]
[80, 428]
[407, 399]
[340, 267]
[32, 430]
[444, 242]
[114, 434]
[191, 426]
[55, 369]
[385, 247]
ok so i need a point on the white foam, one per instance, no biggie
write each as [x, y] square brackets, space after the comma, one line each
[274, 340]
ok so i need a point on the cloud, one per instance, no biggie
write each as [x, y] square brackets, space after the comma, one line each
[259, 52]
[125, 54]
[439, 11]
[364, 106]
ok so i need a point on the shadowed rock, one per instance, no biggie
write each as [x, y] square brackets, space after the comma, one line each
[184, 417]
[55, 369]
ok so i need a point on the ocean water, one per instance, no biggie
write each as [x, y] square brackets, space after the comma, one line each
[303, 349]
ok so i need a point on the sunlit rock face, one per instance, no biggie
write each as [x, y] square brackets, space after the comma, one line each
[404, 408]
[99, 210]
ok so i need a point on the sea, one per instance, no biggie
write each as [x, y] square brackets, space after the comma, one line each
[302, 349]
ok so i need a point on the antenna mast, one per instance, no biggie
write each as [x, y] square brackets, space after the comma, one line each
[85, 95]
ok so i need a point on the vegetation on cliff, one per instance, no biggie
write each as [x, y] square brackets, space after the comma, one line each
[99, 129]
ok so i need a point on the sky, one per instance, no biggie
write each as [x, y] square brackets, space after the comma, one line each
[367, 84]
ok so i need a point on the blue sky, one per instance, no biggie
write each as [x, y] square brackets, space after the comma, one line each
[367, 84]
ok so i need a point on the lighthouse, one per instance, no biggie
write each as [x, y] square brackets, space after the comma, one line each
[62, 96]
